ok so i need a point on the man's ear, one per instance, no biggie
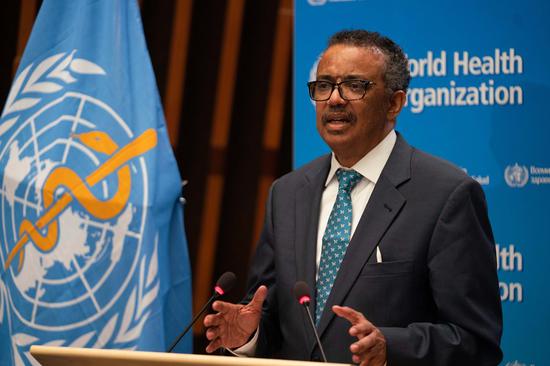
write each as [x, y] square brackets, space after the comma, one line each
[397, 101]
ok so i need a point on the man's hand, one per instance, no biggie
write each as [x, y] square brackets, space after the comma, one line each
[370, 349]
[233, 324]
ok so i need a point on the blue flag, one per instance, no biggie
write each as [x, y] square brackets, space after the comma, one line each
[92, 247]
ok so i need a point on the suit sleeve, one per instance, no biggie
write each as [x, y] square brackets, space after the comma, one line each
[262, 272]
[464, 284]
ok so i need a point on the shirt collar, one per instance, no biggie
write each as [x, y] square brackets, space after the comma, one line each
[370, 166]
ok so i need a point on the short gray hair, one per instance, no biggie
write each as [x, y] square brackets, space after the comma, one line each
[397, 75]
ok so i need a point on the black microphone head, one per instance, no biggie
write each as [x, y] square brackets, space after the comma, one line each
[225, 283]
[301, 292]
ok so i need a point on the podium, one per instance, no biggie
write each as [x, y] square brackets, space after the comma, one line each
[64, 356]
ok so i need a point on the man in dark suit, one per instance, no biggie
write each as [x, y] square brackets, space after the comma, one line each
[396, 243]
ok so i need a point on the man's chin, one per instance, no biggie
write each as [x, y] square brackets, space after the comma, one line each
[336, 127]
[336, 140]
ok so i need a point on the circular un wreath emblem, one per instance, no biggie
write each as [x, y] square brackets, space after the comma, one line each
[73, 204]
[516, 176]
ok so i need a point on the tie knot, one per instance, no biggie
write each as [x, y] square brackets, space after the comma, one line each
[347, 179]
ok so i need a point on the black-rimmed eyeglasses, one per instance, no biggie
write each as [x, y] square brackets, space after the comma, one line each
[321, 90]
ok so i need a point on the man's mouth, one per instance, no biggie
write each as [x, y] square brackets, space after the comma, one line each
[337, 118]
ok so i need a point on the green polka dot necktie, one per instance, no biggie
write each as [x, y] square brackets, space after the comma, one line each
[336, 238]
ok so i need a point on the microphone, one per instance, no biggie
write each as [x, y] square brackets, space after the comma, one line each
[302, 294]
[224, 284]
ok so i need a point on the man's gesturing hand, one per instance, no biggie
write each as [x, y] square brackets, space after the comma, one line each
[370, 349]
[233, 324]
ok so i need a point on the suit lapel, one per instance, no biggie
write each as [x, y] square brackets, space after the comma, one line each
[383, 206]
[308, 202]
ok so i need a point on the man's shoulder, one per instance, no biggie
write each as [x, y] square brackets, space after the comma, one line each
[438, 176]
[435, 165]
[308, 170]
[316, 169]
[408, 163]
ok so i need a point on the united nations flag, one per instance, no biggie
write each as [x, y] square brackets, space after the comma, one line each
[92, 247]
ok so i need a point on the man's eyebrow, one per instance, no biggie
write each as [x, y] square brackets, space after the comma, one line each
[353, 76]
[344, 77]
[326, 77]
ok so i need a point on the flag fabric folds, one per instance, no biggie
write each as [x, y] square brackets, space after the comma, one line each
[92, 246]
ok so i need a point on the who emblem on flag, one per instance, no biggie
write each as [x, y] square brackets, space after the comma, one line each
[92, 246]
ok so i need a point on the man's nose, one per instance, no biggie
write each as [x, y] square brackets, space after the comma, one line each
[335, 97]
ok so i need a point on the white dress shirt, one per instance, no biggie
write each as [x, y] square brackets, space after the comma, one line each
[370, 167]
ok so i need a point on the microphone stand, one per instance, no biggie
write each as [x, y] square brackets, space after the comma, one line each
[306, 306]
[203, 309]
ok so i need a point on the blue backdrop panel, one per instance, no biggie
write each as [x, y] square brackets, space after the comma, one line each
[477, 98]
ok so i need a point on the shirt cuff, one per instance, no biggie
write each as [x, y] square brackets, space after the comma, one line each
[248, 349]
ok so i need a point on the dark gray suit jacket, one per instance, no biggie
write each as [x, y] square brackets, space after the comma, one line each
[435, 297]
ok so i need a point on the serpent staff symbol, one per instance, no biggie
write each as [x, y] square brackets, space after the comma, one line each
[79, 189]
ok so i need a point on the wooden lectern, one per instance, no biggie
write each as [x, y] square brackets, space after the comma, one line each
[64, 356]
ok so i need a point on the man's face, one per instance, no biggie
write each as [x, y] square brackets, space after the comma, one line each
[353, 128]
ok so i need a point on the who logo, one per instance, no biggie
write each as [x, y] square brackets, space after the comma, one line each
[73, 213]
[516, 176]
